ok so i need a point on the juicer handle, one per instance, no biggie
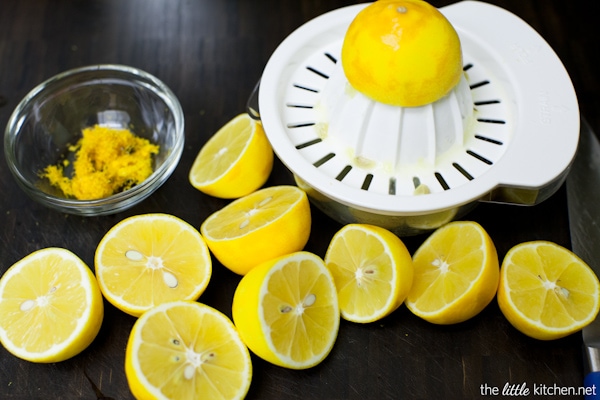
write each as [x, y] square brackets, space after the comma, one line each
[252, 103]
[591, 369]
[592, 385]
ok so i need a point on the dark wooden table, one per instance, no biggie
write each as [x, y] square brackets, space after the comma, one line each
[211, 53]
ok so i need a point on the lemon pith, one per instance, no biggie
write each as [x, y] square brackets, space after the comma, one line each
[286, 310]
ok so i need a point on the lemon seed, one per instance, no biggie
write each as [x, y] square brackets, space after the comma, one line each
[310, 300]
[170, 279]
[27, 305]
[134, 255]
[189, 371]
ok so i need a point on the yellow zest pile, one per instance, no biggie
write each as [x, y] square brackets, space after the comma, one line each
[107, 161]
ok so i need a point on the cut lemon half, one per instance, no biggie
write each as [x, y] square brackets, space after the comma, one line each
[186, 350]
[51, 308]
[546, 291]
[287, 312]
[149, 259]
[372, 270]
[235, 161]
[456, 274]
[258, 227]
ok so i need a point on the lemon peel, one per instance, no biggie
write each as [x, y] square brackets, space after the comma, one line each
[402, 52]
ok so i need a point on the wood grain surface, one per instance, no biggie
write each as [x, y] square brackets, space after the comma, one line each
[211, 53]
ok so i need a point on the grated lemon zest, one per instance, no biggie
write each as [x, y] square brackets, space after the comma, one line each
[107, 161]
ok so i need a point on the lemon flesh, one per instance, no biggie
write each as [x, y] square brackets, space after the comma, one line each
[286, 310]
[51, 308]
[235, 161]
[186, 350]
[456, 274]
[402, 53]
[546, 291]
[372, 270]
[149, 259]
[263, 225]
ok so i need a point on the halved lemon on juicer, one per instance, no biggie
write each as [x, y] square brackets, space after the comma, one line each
[402, 52]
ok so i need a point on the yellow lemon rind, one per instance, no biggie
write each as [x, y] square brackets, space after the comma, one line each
[394, 58]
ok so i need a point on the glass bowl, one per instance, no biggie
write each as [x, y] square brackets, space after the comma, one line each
[52, 116]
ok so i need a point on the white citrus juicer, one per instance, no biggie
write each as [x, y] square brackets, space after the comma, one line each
[506, 133]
